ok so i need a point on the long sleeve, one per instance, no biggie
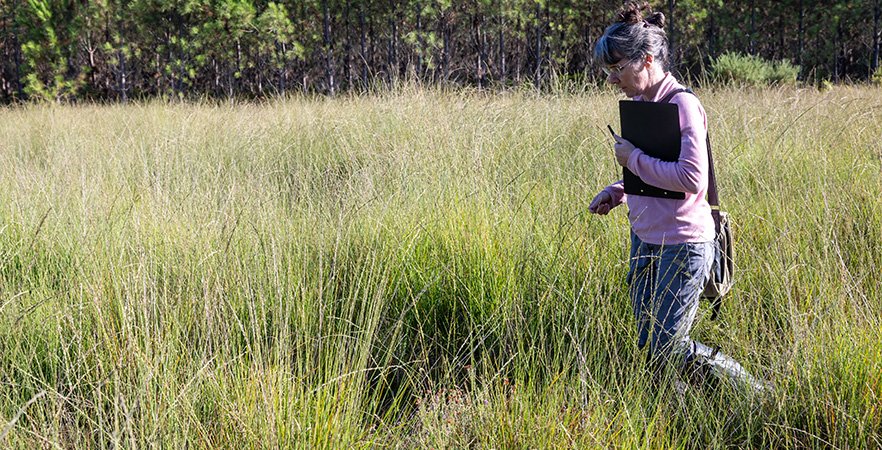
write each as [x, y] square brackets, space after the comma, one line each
[689, 173]
[617, 192]
[673, 221]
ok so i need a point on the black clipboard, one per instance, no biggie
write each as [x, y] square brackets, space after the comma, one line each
[654, 128]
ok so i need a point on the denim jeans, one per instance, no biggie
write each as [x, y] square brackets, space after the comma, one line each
[665, 283]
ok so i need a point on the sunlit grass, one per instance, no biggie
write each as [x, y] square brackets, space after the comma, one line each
[419, 269]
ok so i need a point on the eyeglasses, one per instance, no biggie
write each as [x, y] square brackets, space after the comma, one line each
[617, 69]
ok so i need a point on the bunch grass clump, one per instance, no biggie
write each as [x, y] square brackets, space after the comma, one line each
[750, 70]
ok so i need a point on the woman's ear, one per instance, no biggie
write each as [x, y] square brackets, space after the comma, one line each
[647, 61]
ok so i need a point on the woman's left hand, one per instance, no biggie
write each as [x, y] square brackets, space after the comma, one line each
[624, 148]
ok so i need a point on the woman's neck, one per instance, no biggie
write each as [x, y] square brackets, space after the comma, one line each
[655, 81]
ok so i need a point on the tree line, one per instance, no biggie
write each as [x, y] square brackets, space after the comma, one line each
[122, 49]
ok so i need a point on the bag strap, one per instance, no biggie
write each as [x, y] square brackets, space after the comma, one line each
[712, 194]
[713, 198]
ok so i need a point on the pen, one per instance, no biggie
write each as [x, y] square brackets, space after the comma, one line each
[613, 133]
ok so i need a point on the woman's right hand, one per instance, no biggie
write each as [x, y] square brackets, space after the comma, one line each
[601, 204]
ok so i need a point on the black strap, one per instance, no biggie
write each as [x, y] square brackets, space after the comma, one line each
[713, 198]
[712, 195]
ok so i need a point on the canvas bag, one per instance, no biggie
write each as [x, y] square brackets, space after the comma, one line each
[723, 269]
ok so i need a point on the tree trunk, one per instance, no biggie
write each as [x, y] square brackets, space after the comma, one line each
[347, 48]
[538, 50]
[421, 40]
[283, 71]
[390, 53]
[751, 30]
[479, 45]
[217, 89]
[836, 44]
[170, 58]
[372, 49]
[711, 36]
[90, 49]
[519, 51]
[362, 54]
[158, 74]
[800, 39]
[877, 34]
[500, 66]
[329, 71]
[6, 85]
[672, 35]
[818, 54]
[15, 41]
[259, 74]
[396, 61]
[179, 79]
[445, 52]
[123, 82]
[233, 81]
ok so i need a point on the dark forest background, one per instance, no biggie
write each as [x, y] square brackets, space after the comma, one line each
[118, 50]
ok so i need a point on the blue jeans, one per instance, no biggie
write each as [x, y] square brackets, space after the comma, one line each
[665, 283]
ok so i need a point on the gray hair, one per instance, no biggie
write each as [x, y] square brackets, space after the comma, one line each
[627, 41]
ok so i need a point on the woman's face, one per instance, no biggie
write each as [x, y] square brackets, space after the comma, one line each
[631, 76]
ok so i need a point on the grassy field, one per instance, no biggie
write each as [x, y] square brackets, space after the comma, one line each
[419, 269]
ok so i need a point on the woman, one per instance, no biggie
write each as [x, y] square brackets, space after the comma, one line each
[672, 241]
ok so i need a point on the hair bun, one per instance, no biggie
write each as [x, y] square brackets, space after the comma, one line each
[633, 13]
[657, 19]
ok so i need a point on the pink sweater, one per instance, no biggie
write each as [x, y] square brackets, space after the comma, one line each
[669, 221]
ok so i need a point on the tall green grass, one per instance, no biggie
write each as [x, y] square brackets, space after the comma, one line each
[419, 269]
